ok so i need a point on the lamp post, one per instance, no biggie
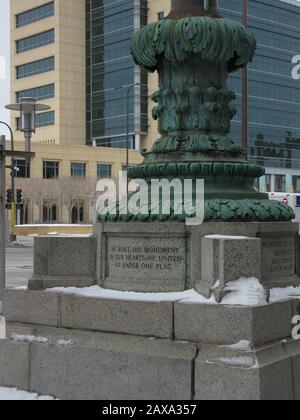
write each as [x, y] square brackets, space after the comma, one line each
[12, 237]
[128, 123]
[27, 108]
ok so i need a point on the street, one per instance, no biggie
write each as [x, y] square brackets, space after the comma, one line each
[19, 263]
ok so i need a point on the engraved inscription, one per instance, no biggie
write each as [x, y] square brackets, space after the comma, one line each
[141, 257]
[278, 256]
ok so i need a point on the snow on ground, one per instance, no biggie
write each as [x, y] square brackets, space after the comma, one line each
[12, 394]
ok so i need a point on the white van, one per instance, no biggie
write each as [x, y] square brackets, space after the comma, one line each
[292, 200]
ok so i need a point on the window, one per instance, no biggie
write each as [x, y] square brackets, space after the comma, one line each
[280, 183]
[23, 168]
[44, 119]
[161, 15]
[36, 67]
[50, 170]
[39, 93]
[33, 15]
[50, 212]
[104, 171]
[116, 142]
[268, 183]
[78, 169]
[296, 184]
[35, 41]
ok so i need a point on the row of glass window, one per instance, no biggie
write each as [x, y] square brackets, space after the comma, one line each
[35, 41]
[39, 93]
[275, 12]
[51, 169]
[36, 67]
[43, 119]
[34, 15]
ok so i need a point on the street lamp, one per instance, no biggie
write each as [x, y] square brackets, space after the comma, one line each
[127, 123]
[27, 108]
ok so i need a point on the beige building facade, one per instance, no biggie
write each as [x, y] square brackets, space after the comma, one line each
[48, 60]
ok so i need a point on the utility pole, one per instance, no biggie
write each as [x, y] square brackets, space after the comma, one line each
[245, 89]
[2, 215]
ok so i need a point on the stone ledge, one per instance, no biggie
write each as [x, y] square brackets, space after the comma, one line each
[98, 366]
[14, 364]
[61, 261]
[220, 324]
[32, 307]
[82, 365]
[107, 315]
[215, 324]
[38, 282]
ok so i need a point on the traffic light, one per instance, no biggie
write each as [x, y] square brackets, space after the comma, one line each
[9, 199]
[19, 196]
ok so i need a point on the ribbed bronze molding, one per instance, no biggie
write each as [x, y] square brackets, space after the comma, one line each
[187, 8]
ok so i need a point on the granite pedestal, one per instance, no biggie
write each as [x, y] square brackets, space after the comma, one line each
[75, 344]
[88, 348]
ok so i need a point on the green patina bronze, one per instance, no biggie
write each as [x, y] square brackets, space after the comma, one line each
[194, 50]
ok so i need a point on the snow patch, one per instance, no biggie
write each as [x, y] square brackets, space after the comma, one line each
[236, 238]
[66, 343]
[100, 293]
[280, 294]
[28, 339]
[243, 345]
[245, 292]
[12, 394]
[245, 362]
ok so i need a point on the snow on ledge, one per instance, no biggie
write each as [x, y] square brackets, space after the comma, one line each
[236, 238]
[243, 292]
[281, 294]
[13, 394]
[100, 293]
[243, 346]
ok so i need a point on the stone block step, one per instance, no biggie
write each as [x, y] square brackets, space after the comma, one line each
[76, 365]
[182, 319]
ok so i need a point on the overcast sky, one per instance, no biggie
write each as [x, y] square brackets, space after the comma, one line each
[4, 62]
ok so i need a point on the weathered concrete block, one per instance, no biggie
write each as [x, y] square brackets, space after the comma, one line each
[239, 259]
[107, 315]
[63, 261]
[228, 259]
[296, 377]
[120, 369]
[217, 381]
[220, 324]
[279, 250]
[210, 269]
[14, 364]
[32, 307]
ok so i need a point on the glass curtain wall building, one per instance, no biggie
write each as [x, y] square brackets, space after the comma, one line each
[111, 71]
[274, 96]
